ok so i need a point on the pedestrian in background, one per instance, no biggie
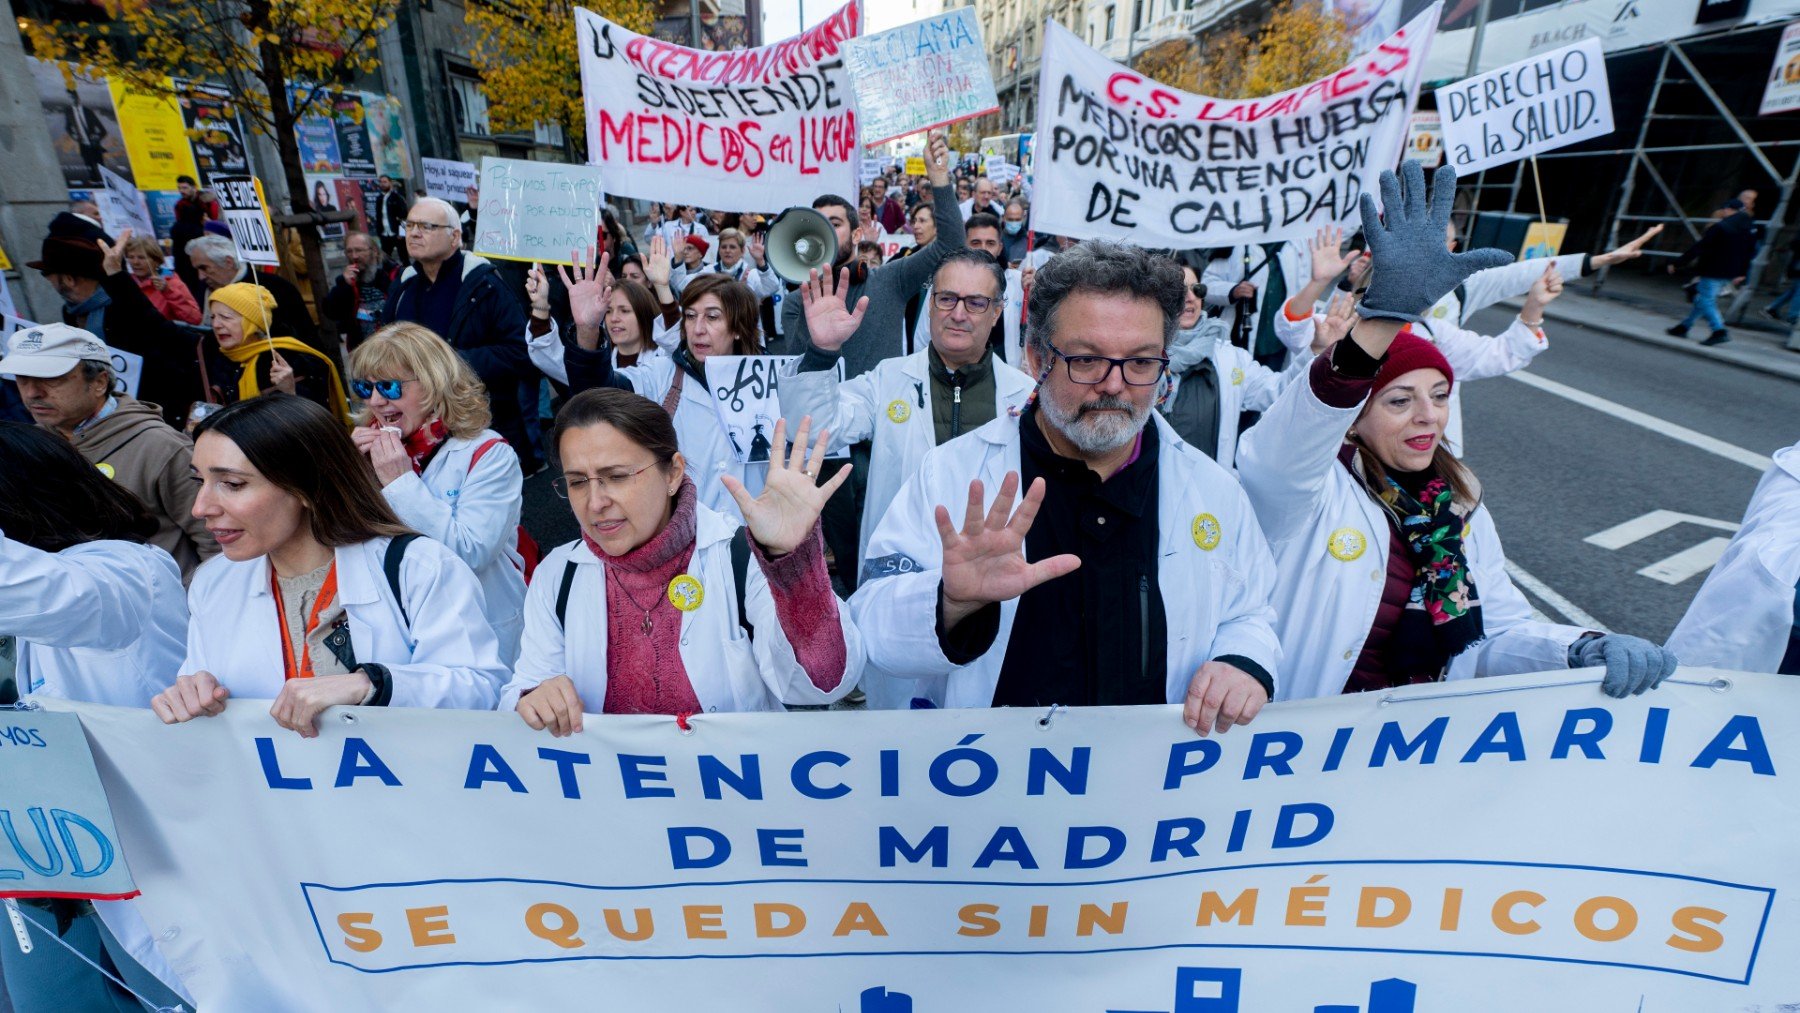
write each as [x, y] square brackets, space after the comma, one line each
[1720, 257]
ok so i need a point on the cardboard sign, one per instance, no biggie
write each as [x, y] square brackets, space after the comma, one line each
[742, 128]
[921, 75]
[915, 165]
[1543, 239]
[1535, 105]
[1425, 140]
[537, 211]
[122, 206]
[447, 179]
[59, 840]
[1782, 93]
[128, 370]
[245, 213]
[893, 242]
[1125, 157]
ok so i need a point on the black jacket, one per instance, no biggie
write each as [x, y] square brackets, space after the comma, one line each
[1724, 250]
[171, 375]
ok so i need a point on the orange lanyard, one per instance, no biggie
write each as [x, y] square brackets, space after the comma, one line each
[327, 592]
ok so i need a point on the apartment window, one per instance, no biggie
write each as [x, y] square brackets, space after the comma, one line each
[468, 105]
[1110, 12]
[548, 134]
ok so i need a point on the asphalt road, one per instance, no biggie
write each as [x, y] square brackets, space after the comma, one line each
[1557, 472]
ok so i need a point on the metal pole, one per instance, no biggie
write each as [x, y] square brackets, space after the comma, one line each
[1637, 153]
[1481, 20]
[694, 23]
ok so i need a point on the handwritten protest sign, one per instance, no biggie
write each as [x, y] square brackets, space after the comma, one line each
[128, 370]
[925, 74]
[60, 840]
[893, 242]
[541, 211]
[447, 179]
[1121, 156]
[915, 165]
[1540, 104]
[246, 214]
[743, 128]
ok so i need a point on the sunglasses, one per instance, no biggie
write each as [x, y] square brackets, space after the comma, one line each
[389, 389]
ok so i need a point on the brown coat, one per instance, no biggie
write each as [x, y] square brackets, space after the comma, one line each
[137, 449]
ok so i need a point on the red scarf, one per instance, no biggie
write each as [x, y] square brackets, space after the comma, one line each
[423, 441]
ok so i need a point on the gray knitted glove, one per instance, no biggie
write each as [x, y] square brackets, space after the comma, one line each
[1632, 664]
[1413, 267]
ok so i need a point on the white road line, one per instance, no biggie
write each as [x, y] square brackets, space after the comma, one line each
[1655, 522]
[1687, 562]
[1712, 445]
[1556, 601]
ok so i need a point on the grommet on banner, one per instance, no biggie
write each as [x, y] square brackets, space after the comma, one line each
[681, 723]
[1385, 700]
[349, 718]
[18, 925]
[1044, 722]
[1720, 685]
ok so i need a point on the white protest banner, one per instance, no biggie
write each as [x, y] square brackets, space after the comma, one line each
[447, 179]
[743, 128]
[122, 206]
[1520, 843]
[867, 171]
[245, 213]
[893, 242]
[1003, 173]
[992, 162]
[1120, 156]
[128, 371]
[1546, 102]
[746, 394]
[50, 791]
[930, 73]
[1782, 93]
[1425, 139]
[538, 211]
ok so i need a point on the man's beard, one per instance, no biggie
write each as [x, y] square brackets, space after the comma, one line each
[1091, 430]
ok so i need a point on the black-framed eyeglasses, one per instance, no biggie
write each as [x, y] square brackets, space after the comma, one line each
[608, 484]
[427, 227]
[947, 301]
[1138, 370]
[389, 389]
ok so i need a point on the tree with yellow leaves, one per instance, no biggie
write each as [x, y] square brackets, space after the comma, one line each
[1297, 44]
[258, 49]
[530, 68]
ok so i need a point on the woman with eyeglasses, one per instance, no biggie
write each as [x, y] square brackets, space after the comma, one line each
[423, 428]
[244, 359]
[666, 606]
[718, 317]
[320, 595]
[1388, 568]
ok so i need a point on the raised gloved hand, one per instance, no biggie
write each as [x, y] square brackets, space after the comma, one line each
[1632, 664]
[1414, 267]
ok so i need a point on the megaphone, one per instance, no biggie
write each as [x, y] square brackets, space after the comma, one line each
[800, 241]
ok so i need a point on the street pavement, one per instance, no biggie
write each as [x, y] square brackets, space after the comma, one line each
[1559, 466]
[1616, 470]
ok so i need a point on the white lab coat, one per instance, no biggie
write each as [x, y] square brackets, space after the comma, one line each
[703, 441]
[101, 621]
[1011, 320]
[891, 405]
[447, 657]
[546, 350]
[1245, 385]
[1508, 281]
[1743, 615]
[1216, 600]
[729, 670]
[1330, 539]
[474, 510]
[1222, 274]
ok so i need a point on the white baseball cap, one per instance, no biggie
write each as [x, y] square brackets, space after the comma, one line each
[50, 350]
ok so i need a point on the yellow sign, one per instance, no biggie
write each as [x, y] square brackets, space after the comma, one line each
[915, 166]
[1346, 544]
[898, 410]
[1543, 239]
[5, 261]
[156, 138]
[1207, 531]
[685, 592]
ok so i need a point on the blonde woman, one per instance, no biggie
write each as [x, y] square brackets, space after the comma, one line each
[144, 257]
[423, 425]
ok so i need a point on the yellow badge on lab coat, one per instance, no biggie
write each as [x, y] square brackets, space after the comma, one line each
[1346, 544]
[685, 592]
[898, 411]
[106, 469]
[1237, 377]
[1207, 531]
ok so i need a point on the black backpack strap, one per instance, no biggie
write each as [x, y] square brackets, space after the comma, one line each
[562, 593]
[390, 565]
[740, 575]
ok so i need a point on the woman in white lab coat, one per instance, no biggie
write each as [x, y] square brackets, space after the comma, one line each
[423, 426]
[1389, 570]
[1744, 615]
[96, 613]
[666, 606]
[320, 596]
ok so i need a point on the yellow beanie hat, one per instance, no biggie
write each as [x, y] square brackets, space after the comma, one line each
[252, 302]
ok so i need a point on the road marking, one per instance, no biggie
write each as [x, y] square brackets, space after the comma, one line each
[1712, 445]
[1569, 610]
[1653, 523]
[1687, 562]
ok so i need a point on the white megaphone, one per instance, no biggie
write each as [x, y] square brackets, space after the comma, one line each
[801, 240]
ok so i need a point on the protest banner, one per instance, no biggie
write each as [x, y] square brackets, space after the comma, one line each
[867, 171]
[122, 206]
[1782, 93]
[915, 165]
[156, 140]
[247, 216]
[128, 370]
[449, 180]
[1546, 102]
[1124, 157]
[1425, 139]
[1521, 843]
[893, 242]
[930, 73]
[537, 211]
[60, 840]
[746, 394]
[744, 128]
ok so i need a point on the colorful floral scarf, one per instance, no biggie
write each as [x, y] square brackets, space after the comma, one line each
[1442, 617]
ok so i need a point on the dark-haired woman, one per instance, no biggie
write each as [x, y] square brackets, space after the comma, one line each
[1389, 570]
[659, 607]
[301, 604]
[718, 317]
[95, 613]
